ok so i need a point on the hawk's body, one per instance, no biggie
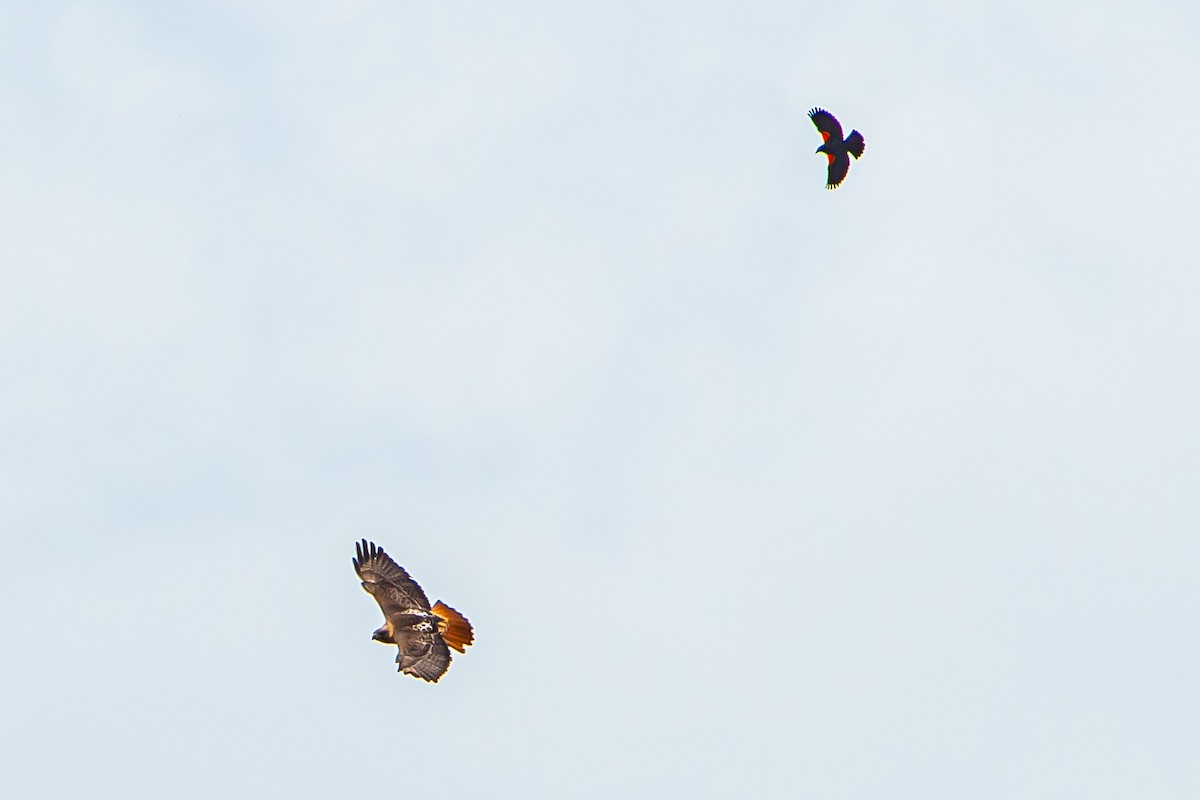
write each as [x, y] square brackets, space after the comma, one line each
[423, 635]
[836, 149]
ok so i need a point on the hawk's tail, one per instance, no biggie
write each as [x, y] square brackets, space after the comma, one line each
[855, 144]
[455, 628]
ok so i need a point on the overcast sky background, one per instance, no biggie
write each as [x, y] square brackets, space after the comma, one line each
[750, 489]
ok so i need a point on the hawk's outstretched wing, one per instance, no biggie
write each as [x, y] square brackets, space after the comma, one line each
[827, 124]
[423, 653]
[386, 581]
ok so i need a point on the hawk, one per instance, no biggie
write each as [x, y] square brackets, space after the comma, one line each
[423, 635]
[835, 149]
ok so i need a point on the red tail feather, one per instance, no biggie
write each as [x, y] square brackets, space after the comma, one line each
[455, 628]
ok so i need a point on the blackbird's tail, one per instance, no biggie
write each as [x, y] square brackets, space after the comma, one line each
[855, 145]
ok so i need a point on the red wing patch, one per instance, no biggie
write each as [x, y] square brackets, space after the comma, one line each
[830, 157]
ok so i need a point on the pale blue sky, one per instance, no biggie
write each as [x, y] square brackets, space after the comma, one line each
[750, 489]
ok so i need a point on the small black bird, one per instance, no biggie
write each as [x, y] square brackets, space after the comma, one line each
[834, 148]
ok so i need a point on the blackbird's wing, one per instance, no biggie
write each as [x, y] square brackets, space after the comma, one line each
[839, 165]
[827, 124]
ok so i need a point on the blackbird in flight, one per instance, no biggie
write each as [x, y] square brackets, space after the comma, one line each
[835, 149]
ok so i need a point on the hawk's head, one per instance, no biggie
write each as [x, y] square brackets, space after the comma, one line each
[383, 635]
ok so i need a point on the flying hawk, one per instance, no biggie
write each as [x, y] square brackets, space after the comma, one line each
[834, 148]
[421, 633]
